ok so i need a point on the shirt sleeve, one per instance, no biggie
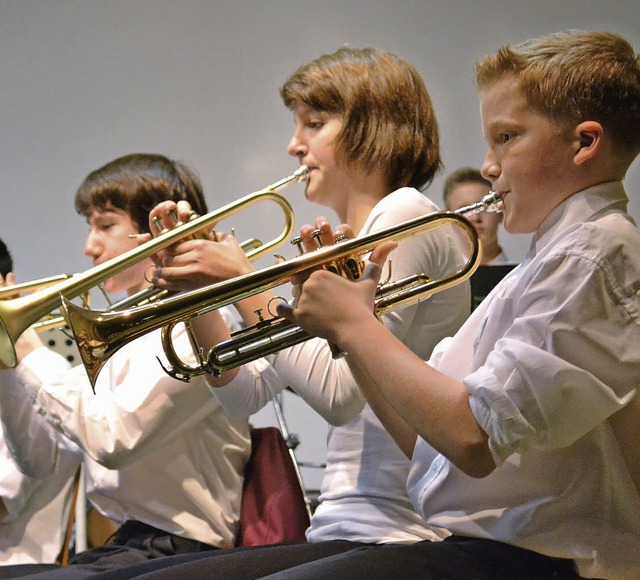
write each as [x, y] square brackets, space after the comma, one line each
[568, 361]
[33, 442]
[250, 390]
[15, 487]
[136, 408]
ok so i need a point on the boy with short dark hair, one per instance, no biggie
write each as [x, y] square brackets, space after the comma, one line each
[161, 457]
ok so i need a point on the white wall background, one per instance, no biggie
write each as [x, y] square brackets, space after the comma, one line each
[84, 81]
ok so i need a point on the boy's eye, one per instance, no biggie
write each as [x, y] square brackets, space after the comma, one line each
[505, 137]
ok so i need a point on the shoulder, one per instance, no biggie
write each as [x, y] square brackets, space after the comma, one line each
[403, 204]
[598, 254]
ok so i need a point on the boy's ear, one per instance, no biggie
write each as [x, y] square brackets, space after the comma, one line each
[588, 139]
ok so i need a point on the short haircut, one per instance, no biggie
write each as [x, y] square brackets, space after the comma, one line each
[388, 117]
[575, 76]
[136, 183]
[6, 263]
[463, 176]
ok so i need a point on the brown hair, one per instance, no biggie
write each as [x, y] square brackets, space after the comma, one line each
[460, 177]
[136, 183]
[388, 118]
[574, 76]
[6, 263]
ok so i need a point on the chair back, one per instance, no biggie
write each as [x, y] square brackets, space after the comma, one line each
[273, 508]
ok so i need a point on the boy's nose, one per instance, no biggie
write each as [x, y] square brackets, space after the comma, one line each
[90, 248]
[490, 168]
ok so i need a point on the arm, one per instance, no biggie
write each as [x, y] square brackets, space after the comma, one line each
[35, 444]
[626, 429]
[430, 405]
[15, 487]
[137, 407]
[200, 262]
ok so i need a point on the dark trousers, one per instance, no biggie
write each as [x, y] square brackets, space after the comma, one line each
[453, 559]
[132, 543]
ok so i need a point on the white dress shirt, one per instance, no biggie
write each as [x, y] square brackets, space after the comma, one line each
[363, 496]
[548, 356]
[156, 450]
[32, 531]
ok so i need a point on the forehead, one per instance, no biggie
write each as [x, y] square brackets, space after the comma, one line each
[502, 101]
[304, 111]
[112, 214]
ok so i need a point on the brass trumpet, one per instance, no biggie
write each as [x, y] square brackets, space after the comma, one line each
[18, 314]
[100, 334]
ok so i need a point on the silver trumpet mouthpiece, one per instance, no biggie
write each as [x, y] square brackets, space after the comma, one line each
[302, 173]
[493, 202]
[490, 202]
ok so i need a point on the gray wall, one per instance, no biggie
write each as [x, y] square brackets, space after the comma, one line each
[84, 81]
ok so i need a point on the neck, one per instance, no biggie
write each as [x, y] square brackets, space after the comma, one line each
[490, 252]
[360, 201]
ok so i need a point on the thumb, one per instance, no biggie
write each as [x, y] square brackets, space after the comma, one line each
[378, 257]
[285, 310]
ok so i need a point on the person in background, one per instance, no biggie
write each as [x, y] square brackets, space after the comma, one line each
[162, 458]
[33, 512]
[466, 186]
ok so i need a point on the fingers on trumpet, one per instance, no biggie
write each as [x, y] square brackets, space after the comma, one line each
[321, 234]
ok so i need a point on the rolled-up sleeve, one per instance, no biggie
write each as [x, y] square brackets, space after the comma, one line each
[567, 362]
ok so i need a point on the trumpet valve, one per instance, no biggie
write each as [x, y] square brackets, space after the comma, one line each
[315, 234]
[158, 223]
[297, 242]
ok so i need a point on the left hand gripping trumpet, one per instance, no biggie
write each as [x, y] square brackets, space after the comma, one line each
[101, 334]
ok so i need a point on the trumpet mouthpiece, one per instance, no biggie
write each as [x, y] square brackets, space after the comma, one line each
[493, 201]
[302, 173]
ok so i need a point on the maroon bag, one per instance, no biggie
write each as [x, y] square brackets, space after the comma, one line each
[273, 508]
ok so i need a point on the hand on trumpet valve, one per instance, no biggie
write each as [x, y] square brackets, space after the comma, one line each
[331, 306]
[196, 263]
[319, 235]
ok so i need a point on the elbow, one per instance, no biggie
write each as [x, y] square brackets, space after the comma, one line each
[475, 459]
[340, 413]
[340, 417]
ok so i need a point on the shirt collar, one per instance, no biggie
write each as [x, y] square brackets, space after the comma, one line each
[580, 207]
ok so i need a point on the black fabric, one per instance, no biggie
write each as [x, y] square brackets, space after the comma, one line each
[132, 543]
[21, 570]
[456, 558]
[453, 559]
[246, 563]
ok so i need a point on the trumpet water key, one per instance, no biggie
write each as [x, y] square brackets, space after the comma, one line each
[100, 334]
[18, 314]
